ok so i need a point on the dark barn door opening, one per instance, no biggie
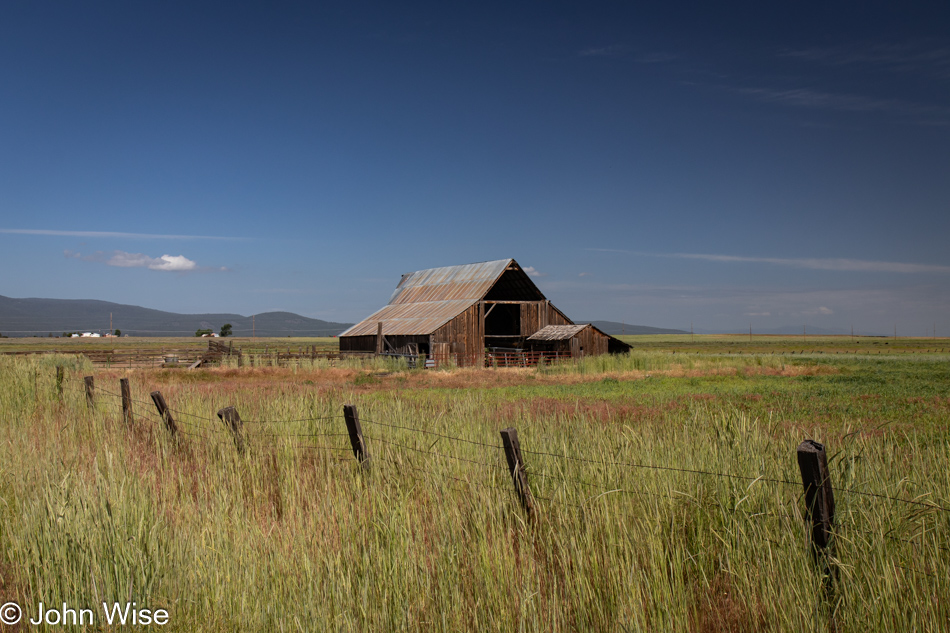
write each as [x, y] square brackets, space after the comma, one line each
[503, 325]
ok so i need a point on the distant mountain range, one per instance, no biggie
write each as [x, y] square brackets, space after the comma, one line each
[41, 317]
[613, 328]
[791, 330]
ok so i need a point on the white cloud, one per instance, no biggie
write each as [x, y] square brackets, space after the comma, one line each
[585, 274]
[121, 259]
[172, 262]
[532, 272]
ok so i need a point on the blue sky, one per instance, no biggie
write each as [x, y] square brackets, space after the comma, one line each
[715, 164]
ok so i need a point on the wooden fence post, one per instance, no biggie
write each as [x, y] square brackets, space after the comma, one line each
[163, 411]
[380, 346]
[232, 420]
[90, 383]
[60, 373]
[819, 502]
[126, 401]
[509, 438]
[356, 435]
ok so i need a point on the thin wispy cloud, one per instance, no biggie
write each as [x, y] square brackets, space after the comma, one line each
[603, 51]
[121, 259]
[834, 264]
[819, 100]
[285, 291]
[894, 57]
[113, 234]
[533, 272]
[656, 58]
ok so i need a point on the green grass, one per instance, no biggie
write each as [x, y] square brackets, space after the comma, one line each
[433, 538]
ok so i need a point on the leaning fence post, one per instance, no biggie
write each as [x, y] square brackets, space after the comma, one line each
[126, 400]
[509, 438]
[90, 391]
[232, 420]
[356, 435]
[819, 502]
[163, 411]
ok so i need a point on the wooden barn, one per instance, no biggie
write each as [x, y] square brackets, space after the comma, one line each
[458, 311]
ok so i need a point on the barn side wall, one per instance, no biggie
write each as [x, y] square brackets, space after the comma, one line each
[357, 343]
[539, 314]
[368, 343]
[592, 342]
[463, 334]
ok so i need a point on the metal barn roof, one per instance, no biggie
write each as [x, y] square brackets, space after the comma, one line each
[426, 300]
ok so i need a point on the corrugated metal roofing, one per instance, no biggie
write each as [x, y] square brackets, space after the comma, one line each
[426, 300]
[557, 332]
[466, 282]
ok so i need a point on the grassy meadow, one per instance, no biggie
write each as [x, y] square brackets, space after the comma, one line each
[666, 483]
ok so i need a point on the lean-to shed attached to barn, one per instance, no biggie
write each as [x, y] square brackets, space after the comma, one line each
[578, 340]
[457, 311]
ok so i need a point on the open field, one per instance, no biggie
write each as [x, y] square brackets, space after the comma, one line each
[140, 352]
[682, 343]
[667, 491]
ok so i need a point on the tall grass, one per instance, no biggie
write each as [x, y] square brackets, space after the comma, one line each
[638, 530]
[638, 361]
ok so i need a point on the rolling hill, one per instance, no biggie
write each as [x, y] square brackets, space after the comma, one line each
[41, 317]
[613, 328]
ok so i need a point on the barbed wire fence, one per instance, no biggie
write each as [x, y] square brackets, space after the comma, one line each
[503, 460]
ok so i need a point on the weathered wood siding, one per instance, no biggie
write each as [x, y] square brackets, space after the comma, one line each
[368, 343]
[591, 342]
[464, 333]
[539, 314]
[358, 343]
[587, 342]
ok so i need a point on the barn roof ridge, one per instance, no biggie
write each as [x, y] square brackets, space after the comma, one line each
[425, 300]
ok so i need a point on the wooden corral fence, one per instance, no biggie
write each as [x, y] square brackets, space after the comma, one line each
[278, 355]
[190, 357]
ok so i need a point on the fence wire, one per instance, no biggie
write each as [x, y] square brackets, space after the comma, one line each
[203, 423]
